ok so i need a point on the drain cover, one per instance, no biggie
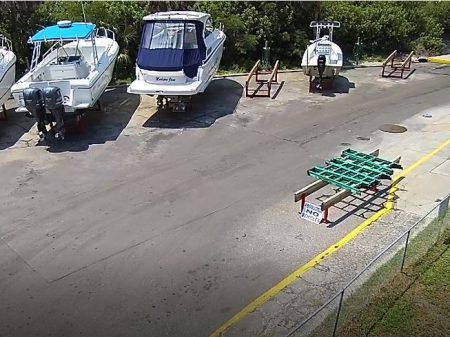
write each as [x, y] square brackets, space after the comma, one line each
[393, 128]
[362, 138]
[346, 144]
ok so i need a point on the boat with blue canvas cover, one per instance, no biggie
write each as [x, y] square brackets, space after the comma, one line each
[79, 61]
[179, 55]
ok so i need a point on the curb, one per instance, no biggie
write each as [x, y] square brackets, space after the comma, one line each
[295, 70]
[440, 60]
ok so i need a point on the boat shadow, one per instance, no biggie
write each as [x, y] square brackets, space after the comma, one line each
[14, 127]
[341, 85]
[99, 126]
[220, 99]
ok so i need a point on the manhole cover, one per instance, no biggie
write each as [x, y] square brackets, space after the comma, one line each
[393, 128]
[362, 138]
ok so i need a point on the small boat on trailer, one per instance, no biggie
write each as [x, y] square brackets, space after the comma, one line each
[7, 71]
[179, 55]
[71, 75]
[323, 58]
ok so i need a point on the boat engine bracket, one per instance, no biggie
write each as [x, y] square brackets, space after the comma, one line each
[174, 103]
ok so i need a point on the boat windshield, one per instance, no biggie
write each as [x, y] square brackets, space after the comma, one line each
[172, 45]
[170, 35]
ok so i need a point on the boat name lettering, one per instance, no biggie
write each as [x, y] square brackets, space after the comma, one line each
[165, 79]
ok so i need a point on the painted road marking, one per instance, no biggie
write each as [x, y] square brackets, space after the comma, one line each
[441, 60]
[272, 292]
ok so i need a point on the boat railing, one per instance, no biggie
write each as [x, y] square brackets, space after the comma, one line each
[5, 42]
[105, 32]
[325, 24]
[52, 48]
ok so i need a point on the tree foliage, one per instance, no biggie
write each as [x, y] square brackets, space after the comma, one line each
[382, 26]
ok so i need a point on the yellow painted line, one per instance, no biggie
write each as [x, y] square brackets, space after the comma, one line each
[440, 60]
[272, 292]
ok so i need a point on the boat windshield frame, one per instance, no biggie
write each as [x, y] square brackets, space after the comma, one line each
[60, 43]
[169, 53]
[147, 39]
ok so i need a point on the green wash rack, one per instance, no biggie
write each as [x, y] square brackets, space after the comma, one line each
[354, 170]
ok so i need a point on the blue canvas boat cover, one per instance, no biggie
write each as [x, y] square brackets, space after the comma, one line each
[172, 45]
[73, 31]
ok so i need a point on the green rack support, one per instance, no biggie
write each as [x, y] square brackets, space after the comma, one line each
[354, 170]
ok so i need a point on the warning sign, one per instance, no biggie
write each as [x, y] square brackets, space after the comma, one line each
[312, 213]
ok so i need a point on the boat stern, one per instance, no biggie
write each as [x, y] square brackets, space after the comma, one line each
[155, 83]
[65, 87]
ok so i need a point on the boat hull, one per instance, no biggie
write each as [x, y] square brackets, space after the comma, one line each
[78, 93]
[333, 56]
[7, 77]
[176, 83]
[329, 71]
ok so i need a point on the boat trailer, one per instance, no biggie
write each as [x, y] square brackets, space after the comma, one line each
[174, 103]
[352, 172]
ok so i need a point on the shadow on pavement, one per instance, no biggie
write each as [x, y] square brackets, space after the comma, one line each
[341, 85]
[99, 126]
[220, 99]
[362, 206]
[13, 128]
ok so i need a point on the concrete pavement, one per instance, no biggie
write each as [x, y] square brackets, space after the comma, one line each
[166, 225]
[417, 194]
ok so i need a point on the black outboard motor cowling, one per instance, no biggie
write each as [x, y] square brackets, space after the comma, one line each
[53, 98]
[54, 103]
[321, 63]
[34, 102]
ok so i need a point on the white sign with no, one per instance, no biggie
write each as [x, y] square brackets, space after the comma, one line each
[312, 213]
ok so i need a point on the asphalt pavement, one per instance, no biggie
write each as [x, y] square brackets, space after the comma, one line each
[159, 224]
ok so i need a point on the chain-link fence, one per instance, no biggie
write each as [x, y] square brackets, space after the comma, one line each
[353, 310]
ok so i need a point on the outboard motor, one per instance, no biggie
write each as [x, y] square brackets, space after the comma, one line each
[34, 102]
[54, 104]
[321, 63]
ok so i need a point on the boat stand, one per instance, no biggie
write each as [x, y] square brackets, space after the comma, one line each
[3, 114]
[393, 67]
[352, 173]
[174, 103]
[261, 82]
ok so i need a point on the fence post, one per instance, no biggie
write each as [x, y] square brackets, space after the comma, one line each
[404, 253]
[338, 313]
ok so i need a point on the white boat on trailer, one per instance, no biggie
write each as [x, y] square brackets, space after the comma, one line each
[323, 58]
[80, 62]
[7, 70]
[179, 55]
